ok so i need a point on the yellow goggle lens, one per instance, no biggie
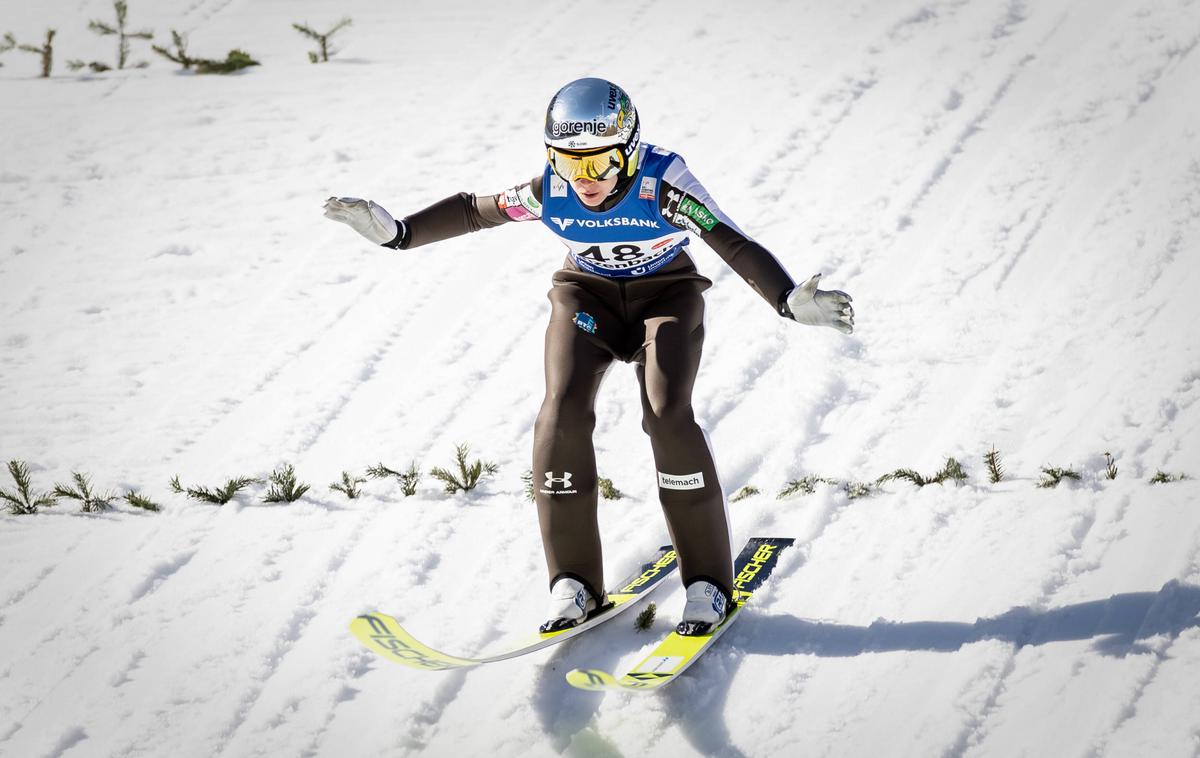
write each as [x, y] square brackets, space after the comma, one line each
[594, 166]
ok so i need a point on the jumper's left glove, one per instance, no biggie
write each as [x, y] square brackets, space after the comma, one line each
[363, 216]
[815, 307]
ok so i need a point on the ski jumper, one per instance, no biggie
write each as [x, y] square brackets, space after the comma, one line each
[628, 291]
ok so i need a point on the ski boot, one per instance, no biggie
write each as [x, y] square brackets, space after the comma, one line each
[570, 603]
[705, 609]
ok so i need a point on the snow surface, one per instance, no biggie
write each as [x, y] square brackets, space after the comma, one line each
[1009, 190]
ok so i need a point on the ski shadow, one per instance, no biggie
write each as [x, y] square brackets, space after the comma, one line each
[562, 710]
[696, 702]
[1117, 623]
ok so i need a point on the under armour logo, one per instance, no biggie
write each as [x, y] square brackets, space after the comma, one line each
[563, 223]
[564, 480]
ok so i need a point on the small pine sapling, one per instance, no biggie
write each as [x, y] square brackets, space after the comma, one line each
[645, 619]
[123, 37]
[408, 479]
[349, 485]
[608, 491]
[89, 501]
[179, 55]
[23, 502]
[235, 60]
[321, 39]
[1162, 477]
[747, 491]
[8, 43]
[1110, 467]
[218, 496]
[46, 51]
[952, 470]
[903, 473]
[1052, 475]
[284, 486]
[468, 475]
[995, 468]
[855, 490]
[804, 486]
[136, 499]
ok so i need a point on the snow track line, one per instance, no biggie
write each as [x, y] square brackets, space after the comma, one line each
[17, 596]
[292, 631]
[975, 729]
[78, 638]
[975, 126]
[1129, 710]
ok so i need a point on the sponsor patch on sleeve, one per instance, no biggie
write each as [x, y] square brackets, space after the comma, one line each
[531, 204]
[692, 208]
[510, 203]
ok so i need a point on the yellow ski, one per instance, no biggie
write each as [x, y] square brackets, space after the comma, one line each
[677, 652]
[384, 635]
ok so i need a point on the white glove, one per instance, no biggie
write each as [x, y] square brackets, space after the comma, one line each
[363, 216]
[815, 307]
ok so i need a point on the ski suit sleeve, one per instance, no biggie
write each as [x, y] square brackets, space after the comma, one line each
[686, 204]
[464, 212]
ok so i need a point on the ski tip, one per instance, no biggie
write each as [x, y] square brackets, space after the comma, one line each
[594, 680]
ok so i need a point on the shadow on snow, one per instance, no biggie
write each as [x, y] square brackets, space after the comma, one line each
[696, 701]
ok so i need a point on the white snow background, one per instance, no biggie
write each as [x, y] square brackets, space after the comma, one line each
[1009, 190]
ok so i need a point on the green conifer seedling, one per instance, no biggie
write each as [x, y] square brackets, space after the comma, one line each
[46, 51]
[123, 36]
[7, 43]
[217, 496]
[81, 490]
[1052, 475]
[1162, 477]
[747, 491]
[408, 479]
[235, 60]
[608, 491]
[23, 501]
[906, 474]
[855, 490]
[952, 470]
[645, 619]
[804, 486]
[321, 39]
[284, 486]
[1110, 467]
[179, 54]
[995, 469]
[467, 476]
[349, 485]
[136, 499]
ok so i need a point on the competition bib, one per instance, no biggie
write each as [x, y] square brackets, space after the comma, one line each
[629, 239]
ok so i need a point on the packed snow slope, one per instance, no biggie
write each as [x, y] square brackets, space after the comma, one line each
[1009, 190]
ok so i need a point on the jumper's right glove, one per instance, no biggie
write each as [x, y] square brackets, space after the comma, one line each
[815, 307]
[363, 216]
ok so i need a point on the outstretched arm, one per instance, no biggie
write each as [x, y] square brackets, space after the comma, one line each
[686, 204]
[454, 216]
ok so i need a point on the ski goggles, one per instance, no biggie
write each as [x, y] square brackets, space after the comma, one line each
[596, 166]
